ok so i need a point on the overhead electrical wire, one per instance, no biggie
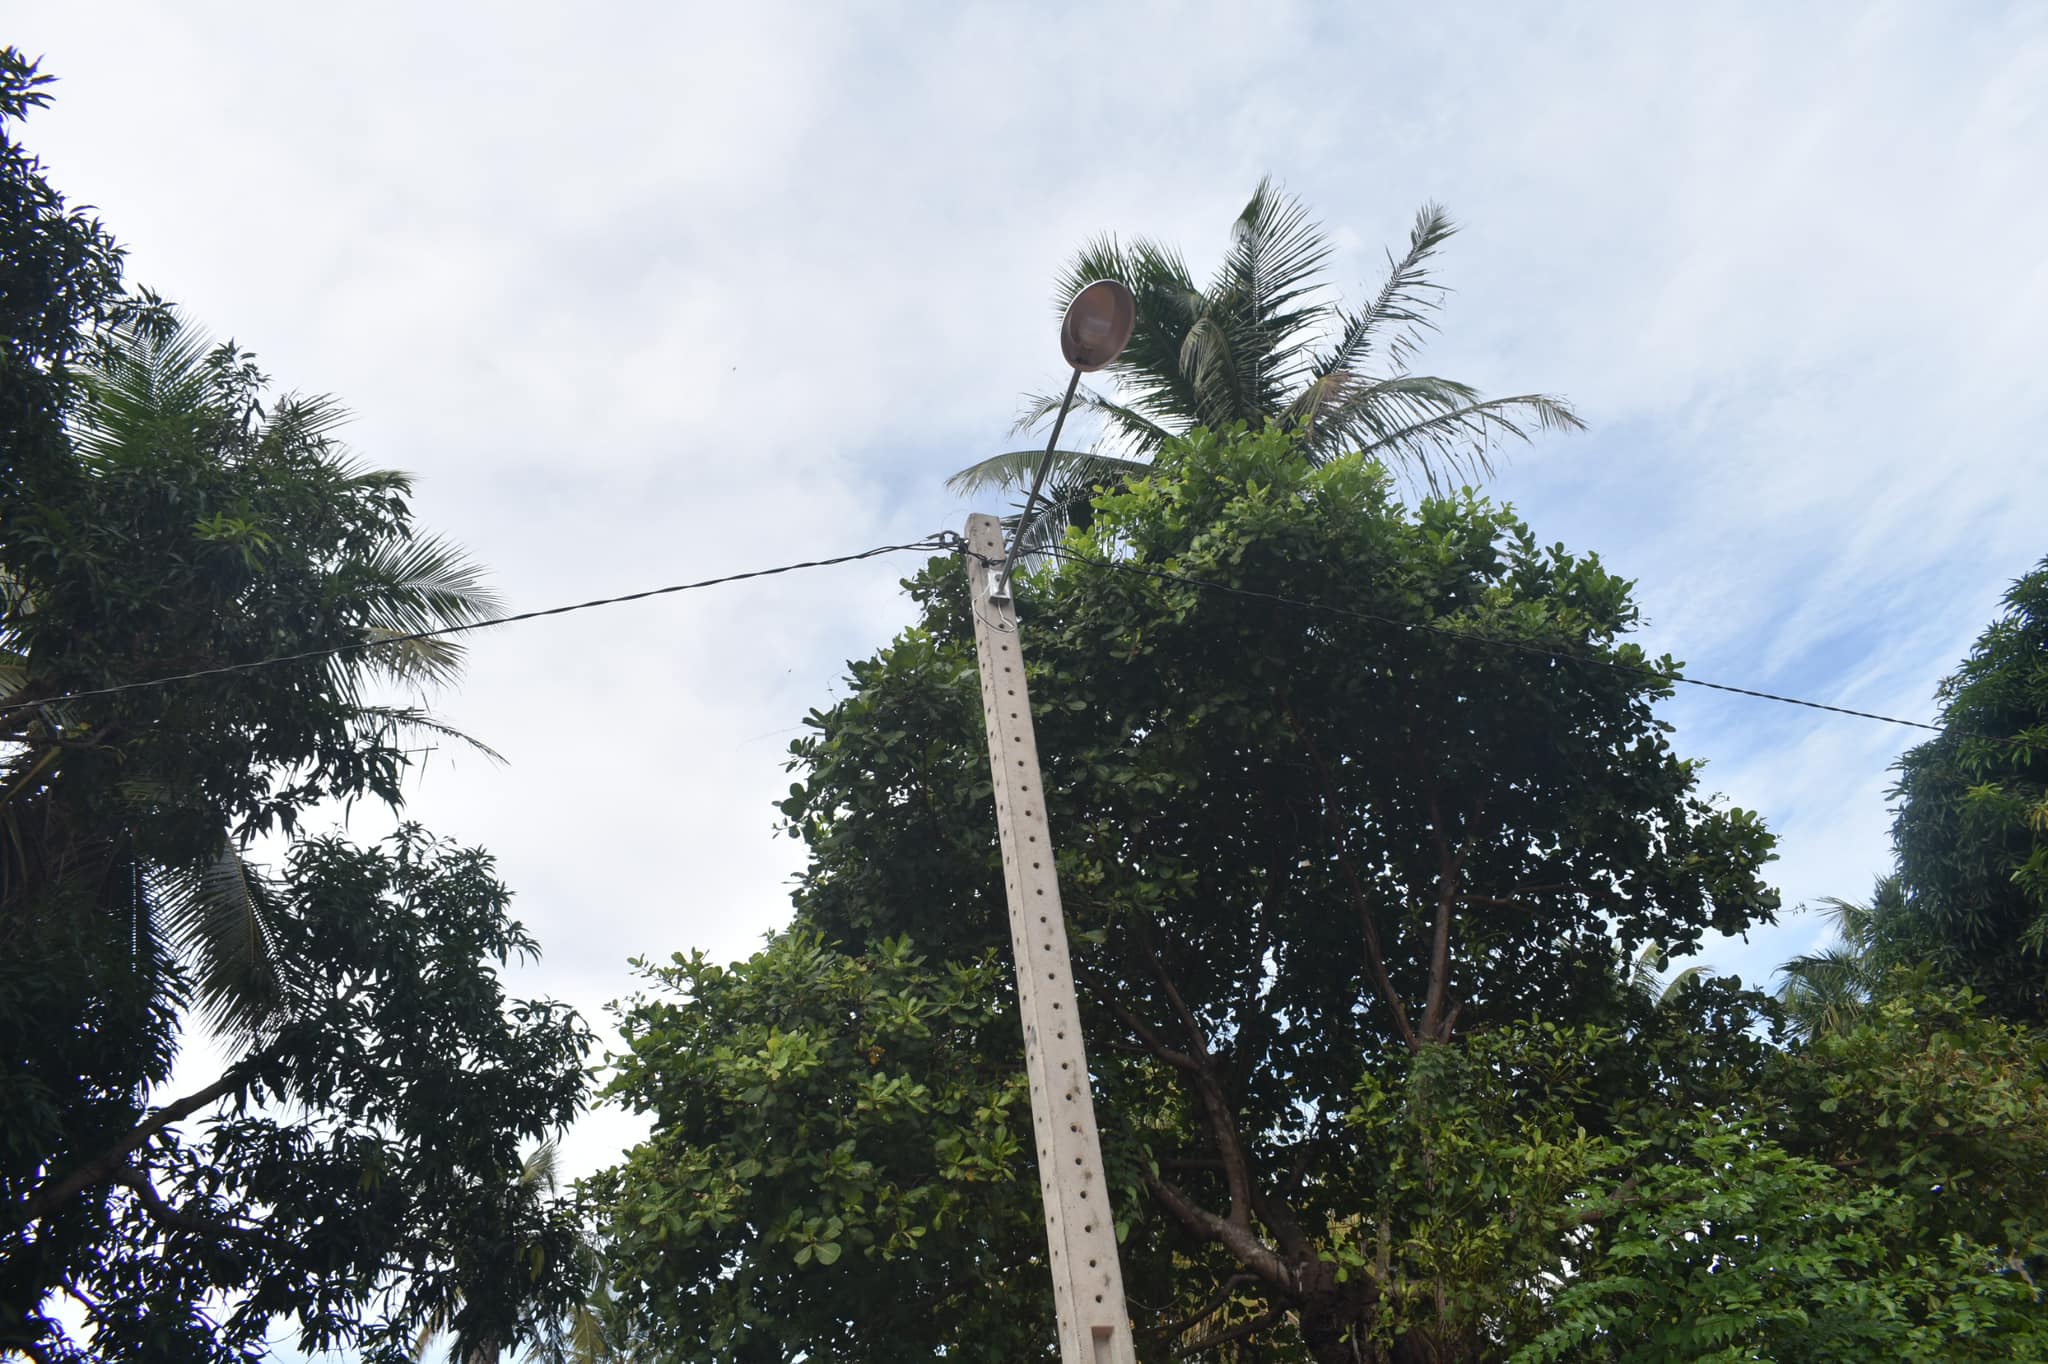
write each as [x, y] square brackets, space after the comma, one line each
[949, 541]
[943, 540]
[1521, 646]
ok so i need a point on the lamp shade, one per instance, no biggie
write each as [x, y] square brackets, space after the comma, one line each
[1098, 325]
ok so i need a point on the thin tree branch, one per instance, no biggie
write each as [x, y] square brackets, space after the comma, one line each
[1436, 1022]
[102, 1167]
[1244, 1246]
[1374, 958]
[1216, 1303]
[178, 1219]
[1222, 1125]
[1237, 1332]
[1177, 1059]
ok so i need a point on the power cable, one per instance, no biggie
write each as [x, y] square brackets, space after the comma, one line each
[949, 541]
[941, 541]
[1522, 646]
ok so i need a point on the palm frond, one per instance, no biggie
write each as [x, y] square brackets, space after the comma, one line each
[1277, 252]
[303, 421]
[537, 1171]
[1642, 972]
[1016, 468]
[143, 384]
[1102, 257]
[1405, 301]
[1676, 986]
[1852, 922]
[1825, 991]
[1129, 429]
[412, 720]
[1457, 439]
[405, 586]
[588, 1341]
[1065, 503]
[1207, 364]
[1265, 299]
[219, 919]
[1169, 303]
[398, 653]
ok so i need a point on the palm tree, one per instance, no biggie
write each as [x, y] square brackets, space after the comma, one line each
[1265, 345]
[581, 1337]
[1827, 991]
[1644, 978]
[155, 385]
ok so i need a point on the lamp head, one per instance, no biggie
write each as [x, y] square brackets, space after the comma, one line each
[1098, 325]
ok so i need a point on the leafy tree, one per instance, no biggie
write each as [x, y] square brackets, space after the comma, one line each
[1731, 1248]
[1264, 345]
[1880, 1190]
[1969, 897]
[58, 271]
[350, 1168]
[1972, 823]
[356, 1158]
[1302, 851]
[834, 1160]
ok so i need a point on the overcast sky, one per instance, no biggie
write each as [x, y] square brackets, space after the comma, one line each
[645, 293]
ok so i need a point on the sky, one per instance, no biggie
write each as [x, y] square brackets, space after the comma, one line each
[647, 293]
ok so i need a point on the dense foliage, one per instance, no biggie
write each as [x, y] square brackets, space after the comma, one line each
[1968, 896]
[58, 270]
[1972, 826]
[356, 1167]
[815, 1111]
[1318, 866]
[371, 1137]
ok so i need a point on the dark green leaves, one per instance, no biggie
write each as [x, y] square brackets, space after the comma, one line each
[839, 1147]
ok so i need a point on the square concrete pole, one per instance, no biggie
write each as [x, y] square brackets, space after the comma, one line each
[1080, 1233]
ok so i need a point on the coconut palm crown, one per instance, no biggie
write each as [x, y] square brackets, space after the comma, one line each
[1266, 344]
[203, 524]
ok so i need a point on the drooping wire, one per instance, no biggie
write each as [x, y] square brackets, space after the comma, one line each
[941, 541]
[1522, 646]
[948, 541]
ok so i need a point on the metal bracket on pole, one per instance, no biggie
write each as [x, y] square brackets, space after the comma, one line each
[1080, 1233]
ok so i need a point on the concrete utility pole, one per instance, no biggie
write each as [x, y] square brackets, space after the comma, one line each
[1087, 1280]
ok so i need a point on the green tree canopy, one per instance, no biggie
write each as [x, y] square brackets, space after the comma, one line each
[815, 1111]
[1969, 895]
[1310, 857]
[58, 270]
[355, 1167]
[354, 1172]
[1972, 825]
[1879, 1192]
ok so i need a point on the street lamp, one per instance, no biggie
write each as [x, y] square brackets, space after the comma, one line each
[1093, 333]
[1081, 1252]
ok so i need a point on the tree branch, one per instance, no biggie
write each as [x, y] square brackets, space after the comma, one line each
[1375, 960]
[1237, 1332]
[1216, 1303]
[102, 1167]
[1177, 1059]
[1222, 1126]
[1436, 1022]
[1245, 1247]
[178, 1219]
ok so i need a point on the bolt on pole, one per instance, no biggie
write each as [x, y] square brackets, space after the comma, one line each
[1080, 1233]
